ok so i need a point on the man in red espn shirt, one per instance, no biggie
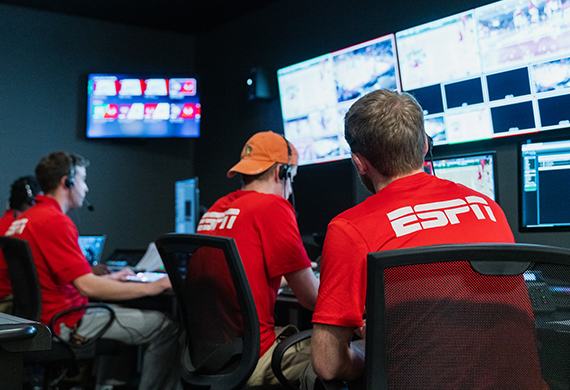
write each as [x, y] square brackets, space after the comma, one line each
[263, 224]
[409, 208]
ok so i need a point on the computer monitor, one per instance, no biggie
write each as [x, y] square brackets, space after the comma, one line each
[494, 71]
[544, 185]
[92, 247]
[476, 171]
[187, 198]
[316, 94]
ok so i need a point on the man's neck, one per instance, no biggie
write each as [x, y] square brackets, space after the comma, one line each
[382, 182]
[61, 198]
[264, 187]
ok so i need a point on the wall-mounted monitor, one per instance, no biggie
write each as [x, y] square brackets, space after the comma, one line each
[544, 185]
[498, 70]
[315, 94]
[476, 171]
[133, 106]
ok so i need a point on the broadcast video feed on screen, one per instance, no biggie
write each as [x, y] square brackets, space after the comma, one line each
[545, 185]
[126, 106]
[474, 171]
[439, 51]
[507, 64]
[316, 94]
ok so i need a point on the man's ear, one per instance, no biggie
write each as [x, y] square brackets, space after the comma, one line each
[361, 163]
[275, 174]
[62, 181]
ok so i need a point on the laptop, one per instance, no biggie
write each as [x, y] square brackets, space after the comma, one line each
[92, 247]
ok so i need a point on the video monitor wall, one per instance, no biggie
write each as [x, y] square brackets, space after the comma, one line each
[127, 106]
[498, 70]
[316, 94]
[545, 185]
[477, 171]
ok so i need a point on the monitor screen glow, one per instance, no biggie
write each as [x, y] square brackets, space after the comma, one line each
[544, 185]
[316, 94]
[127, 106]
[477, 171]
[499, 70]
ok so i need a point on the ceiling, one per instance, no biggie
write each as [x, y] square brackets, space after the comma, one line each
[181, 16]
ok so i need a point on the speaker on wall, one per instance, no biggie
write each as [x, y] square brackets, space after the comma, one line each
[258, 86]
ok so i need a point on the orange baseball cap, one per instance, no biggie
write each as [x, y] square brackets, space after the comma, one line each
[262, 151]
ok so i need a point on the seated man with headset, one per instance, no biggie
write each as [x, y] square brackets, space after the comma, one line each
[67, 280]
[263, 224]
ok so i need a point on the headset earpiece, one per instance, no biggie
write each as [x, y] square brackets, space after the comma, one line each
[284, 172]
[70, 179]
[430, 145]
[285, 169]
[69, 182]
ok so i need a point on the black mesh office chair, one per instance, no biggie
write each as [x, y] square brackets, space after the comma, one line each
[27, 299]
[216, 308]
[469, 316]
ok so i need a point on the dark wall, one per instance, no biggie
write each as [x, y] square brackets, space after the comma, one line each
[45, 59]
[289, 31]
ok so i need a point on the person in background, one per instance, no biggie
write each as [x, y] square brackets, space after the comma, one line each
[385, 131]
[263, 224]
[67, 280]
[22, 197]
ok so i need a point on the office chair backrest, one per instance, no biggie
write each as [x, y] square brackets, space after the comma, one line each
[468, 316]
[23, 277]
[216, 306]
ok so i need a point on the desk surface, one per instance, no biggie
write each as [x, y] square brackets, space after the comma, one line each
[21, 335]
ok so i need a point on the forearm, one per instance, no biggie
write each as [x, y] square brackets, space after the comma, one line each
[333, 356]
[97, 287]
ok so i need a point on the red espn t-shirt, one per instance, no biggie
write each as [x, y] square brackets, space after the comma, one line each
[53, 240]
[5, 286]
[268, 240]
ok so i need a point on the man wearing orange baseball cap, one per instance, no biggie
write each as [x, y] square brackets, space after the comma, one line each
[262, 222]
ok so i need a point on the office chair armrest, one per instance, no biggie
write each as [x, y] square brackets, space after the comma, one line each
[277, 358]
[93, 339]
[279, 352]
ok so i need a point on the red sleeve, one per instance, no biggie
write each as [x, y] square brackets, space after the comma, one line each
[62, 252]
[342, 291]
[282, 247]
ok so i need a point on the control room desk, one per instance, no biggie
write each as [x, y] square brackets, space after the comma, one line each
[18, 335]
[288, 310]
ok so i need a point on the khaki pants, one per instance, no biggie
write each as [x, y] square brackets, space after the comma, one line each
[294, 361]
[6, 304]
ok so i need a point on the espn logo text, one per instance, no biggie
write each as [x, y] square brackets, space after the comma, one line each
[17, 227]
[212, 220]
[408, 219]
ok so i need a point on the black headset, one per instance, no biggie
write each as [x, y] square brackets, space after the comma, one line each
[30, 195]
[70, 179]
[285, 169]
[429, 153]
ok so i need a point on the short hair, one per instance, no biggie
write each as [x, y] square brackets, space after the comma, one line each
[52, 168]
[24, 191]
[247, 179]
[387, 128]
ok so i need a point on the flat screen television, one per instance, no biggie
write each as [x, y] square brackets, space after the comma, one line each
[130, 106]
[315, 94]
[498, 70]
[544, 189]
[476, 171]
